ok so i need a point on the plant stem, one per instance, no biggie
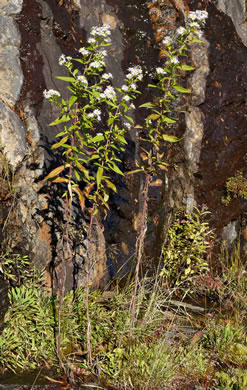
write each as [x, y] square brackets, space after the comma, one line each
[89, 237]
[139, 246]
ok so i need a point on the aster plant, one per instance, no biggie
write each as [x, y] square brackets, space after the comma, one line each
[96, 119]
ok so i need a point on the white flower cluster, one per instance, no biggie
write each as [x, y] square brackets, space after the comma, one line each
[82, 80]
[180, 31]
[63, 59]
[108, 93]
[51, 93]
[96, 64]
[106, 76]
[198, 15]
[95, 114]
[126, 88]
[127, 125]
[167, 41]
[83, 51]
[160, 71]
[102, 53]
[99, 33]
[135, 73]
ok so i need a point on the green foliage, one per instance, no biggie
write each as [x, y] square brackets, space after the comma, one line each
[17, 269]
[234, 380]
[236, 187]
[185, 254]
[28, 336]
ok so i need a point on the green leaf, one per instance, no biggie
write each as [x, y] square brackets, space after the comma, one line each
[181, 89]
[134, 171]
[72, 100]
[121, 139]
[60, 180]
[64, 118]
[80, 196]
[111, 185]
[99, 175]
[148, 105]
[60, 143]
[169, 120]
[153, 116]
[97, 138]
[129, 118]
[186, 67]
[55, 172]
[170, 138]
[69, 79]
[115, 168]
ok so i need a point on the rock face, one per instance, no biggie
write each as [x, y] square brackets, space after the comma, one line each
[32, 37]
[237, 11]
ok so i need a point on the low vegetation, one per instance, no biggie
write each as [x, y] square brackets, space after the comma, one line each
[169, 348]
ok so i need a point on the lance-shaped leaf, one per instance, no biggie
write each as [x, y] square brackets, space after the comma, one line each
[115, 168]
[111, 185]
[89, 188]
[103, 201]
[60, 180]
[99, 175]
[69, 79]
[181, 89]
[64, 118]
[153, 117]
[55, 172]
[134, 171]
[83, 169]
[170, 138]
[72, 100]
[148, 105]
[168, 120]
[97, 138]
[60, 143]
[186, 67]
[80, 196]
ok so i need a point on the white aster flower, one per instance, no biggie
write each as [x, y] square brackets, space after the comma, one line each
[192, 15]
[107, 76]
[110, 93]
[103, 53]
[180, 31]
[82, 80]
[95, 64]
[91, 40]
[201, 15]
[194, 25]
[174, 60]
[125, 88]
[160, 71]
[127, 125]
[62, 60]
[167, 41]
[135, 70]
[83, 51]
[126, 98]
[133, 86]
[51, 93]
[97, 112]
